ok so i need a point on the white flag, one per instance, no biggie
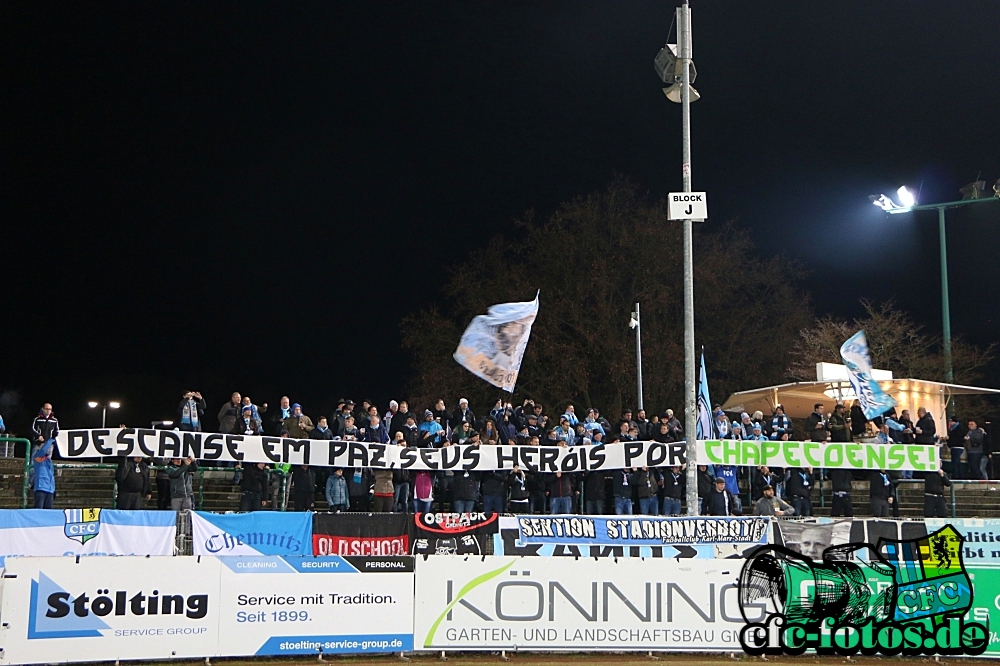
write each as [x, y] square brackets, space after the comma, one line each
[874, 401]
[493, 345]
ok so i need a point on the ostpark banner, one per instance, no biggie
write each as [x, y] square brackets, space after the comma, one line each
[211, 447]
[254, 533]
[53, 532]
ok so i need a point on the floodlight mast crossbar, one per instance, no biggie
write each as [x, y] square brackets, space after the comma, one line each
[690, 413]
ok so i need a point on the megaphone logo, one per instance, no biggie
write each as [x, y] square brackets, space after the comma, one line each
[903, 597]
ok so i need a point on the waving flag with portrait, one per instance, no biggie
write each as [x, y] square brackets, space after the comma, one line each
[874, 401]
[493, 345]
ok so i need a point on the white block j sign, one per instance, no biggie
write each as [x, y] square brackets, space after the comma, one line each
[687, 206]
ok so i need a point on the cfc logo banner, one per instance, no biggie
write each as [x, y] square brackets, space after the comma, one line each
[901, 597]
[82, 525]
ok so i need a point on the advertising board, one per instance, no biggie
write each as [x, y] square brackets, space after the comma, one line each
[545, 603]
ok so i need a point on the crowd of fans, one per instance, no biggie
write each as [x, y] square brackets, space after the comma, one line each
[651, 491]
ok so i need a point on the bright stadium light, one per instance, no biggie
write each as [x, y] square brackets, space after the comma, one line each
[906, 197]
[971, 194]
[93, 404]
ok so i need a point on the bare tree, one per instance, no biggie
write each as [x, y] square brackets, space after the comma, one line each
[592, 260]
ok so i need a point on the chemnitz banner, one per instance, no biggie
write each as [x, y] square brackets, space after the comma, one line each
[212, 447]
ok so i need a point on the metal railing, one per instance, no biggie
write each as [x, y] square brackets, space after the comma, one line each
[280, 502]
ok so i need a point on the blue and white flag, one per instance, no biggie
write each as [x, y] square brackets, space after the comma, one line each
[706, 422]
[253, 533]
[874, 401]
[91, 531]
[493, 345]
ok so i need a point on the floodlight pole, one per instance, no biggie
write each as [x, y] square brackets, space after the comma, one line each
[690, 413]
[945, 306]
[943, 245]
[638, 354]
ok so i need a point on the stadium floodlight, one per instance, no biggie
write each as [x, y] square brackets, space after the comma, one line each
[973, 190]
[906, 201]
[971, 194]
[906, 197]
[669, 69]
[93, 404]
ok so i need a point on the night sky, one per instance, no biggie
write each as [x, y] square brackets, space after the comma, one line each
[250, 196]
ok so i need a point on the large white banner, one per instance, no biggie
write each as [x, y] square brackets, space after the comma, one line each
[62, 609]
[316, 605]
[535, 603]
[493, 345]
[48, 532]
[84, 444]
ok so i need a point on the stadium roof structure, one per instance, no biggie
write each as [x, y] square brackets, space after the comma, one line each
[798, 398]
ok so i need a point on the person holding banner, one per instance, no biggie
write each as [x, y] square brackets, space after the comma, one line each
[132, 477]
[934, 485]
[180, 474]
[799, 488]
[883, 488]
[623, 483]
[254, 487]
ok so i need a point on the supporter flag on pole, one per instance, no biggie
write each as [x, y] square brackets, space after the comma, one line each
[493, 345]
[874, 401]
[706, 424]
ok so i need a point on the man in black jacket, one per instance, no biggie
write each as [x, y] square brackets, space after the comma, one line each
[623, 486]
[45, 425]
[674, 483]
[721, 502]
[925, 429]
[493, 486]
[594, 492]
[882, 490]
[398, 420]
[816, 425]
[463, 413]
[303, 488]
[230, 412]
[840, 429]
[254, 487]
[841, 480]
[934, 485]
[705, 484]
[464, 491]
[132, 477]
[799, 489]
